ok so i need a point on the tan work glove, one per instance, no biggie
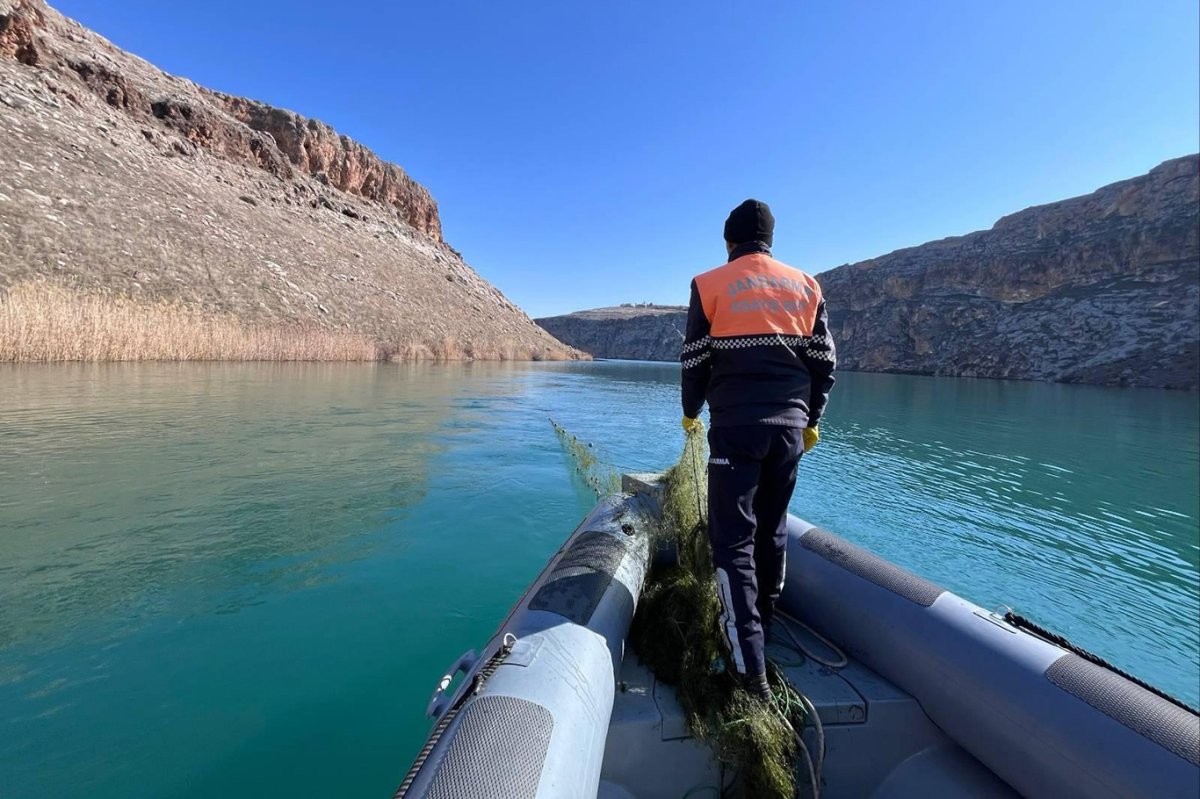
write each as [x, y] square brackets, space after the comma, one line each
[691, 425]
[811, 436]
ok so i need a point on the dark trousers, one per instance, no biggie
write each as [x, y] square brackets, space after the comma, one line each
[751, 474]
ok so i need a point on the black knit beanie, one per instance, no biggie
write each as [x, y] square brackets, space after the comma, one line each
[750, 221]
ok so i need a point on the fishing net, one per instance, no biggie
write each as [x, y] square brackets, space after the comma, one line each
[591, 467]
[676, 633]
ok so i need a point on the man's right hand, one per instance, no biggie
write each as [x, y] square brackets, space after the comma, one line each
[811, 436]
[691, 425]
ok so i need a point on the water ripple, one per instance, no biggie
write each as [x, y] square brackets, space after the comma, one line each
[218, 564]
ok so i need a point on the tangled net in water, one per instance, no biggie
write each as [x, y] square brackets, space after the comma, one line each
[676, 633]
[595, 471]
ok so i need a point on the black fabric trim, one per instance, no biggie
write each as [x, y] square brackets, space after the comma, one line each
[581, 577]
[871, 567]
[760, 340]
[696, 365]
[749, 248]
[1173, 728]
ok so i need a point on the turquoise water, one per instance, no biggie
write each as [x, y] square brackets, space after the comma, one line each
[244, 580]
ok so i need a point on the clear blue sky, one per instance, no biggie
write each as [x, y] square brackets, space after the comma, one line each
[586, 154]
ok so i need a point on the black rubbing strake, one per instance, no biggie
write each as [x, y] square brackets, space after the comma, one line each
[1030, 626]
[869, 566]
[1170, 726]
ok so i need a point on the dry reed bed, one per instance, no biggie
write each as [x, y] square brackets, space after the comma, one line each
[42, 322]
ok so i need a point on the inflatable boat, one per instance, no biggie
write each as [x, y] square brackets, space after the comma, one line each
[933, 697]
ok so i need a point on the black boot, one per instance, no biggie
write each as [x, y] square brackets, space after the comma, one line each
[757, 685]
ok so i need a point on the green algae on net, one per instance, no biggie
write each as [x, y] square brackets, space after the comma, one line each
[676, 632]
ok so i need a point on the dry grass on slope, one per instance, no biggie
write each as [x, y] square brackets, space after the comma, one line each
[108, 199]
[45, 323]
[42, 322]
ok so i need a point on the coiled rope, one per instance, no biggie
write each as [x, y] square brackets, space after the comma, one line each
[841, 659]
[790, 704]
[789, 697]
[1022, 623]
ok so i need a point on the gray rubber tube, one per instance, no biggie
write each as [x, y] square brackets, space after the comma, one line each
[537, 729]
[1042, 722]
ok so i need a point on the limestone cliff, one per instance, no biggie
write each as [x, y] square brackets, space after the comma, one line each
[276, 141]
[642, 332]
[1100, 289]
[117, 177]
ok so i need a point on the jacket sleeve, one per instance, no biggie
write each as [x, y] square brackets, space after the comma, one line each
[820, 358]
[695, 356]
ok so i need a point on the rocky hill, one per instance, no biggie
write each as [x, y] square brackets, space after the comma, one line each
[1103, 289]
[1100, 289]
[118, 179]
[632, 332]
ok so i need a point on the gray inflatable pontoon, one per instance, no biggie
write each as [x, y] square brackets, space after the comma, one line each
[937, 698]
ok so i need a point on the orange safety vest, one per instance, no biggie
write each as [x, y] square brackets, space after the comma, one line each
[757, 295]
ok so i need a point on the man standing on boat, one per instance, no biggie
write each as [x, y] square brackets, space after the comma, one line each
[758, 350]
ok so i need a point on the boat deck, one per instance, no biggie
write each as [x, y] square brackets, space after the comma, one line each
[878, 741]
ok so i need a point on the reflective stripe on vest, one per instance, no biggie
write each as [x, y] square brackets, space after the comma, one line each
[757, 295]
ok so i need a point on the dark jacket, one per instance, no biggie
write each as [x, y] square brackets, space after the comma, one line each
[758, 347]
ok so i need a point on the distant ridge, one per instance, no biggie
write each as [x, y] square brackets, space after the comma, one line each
[1101, 289]
[632, 332]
